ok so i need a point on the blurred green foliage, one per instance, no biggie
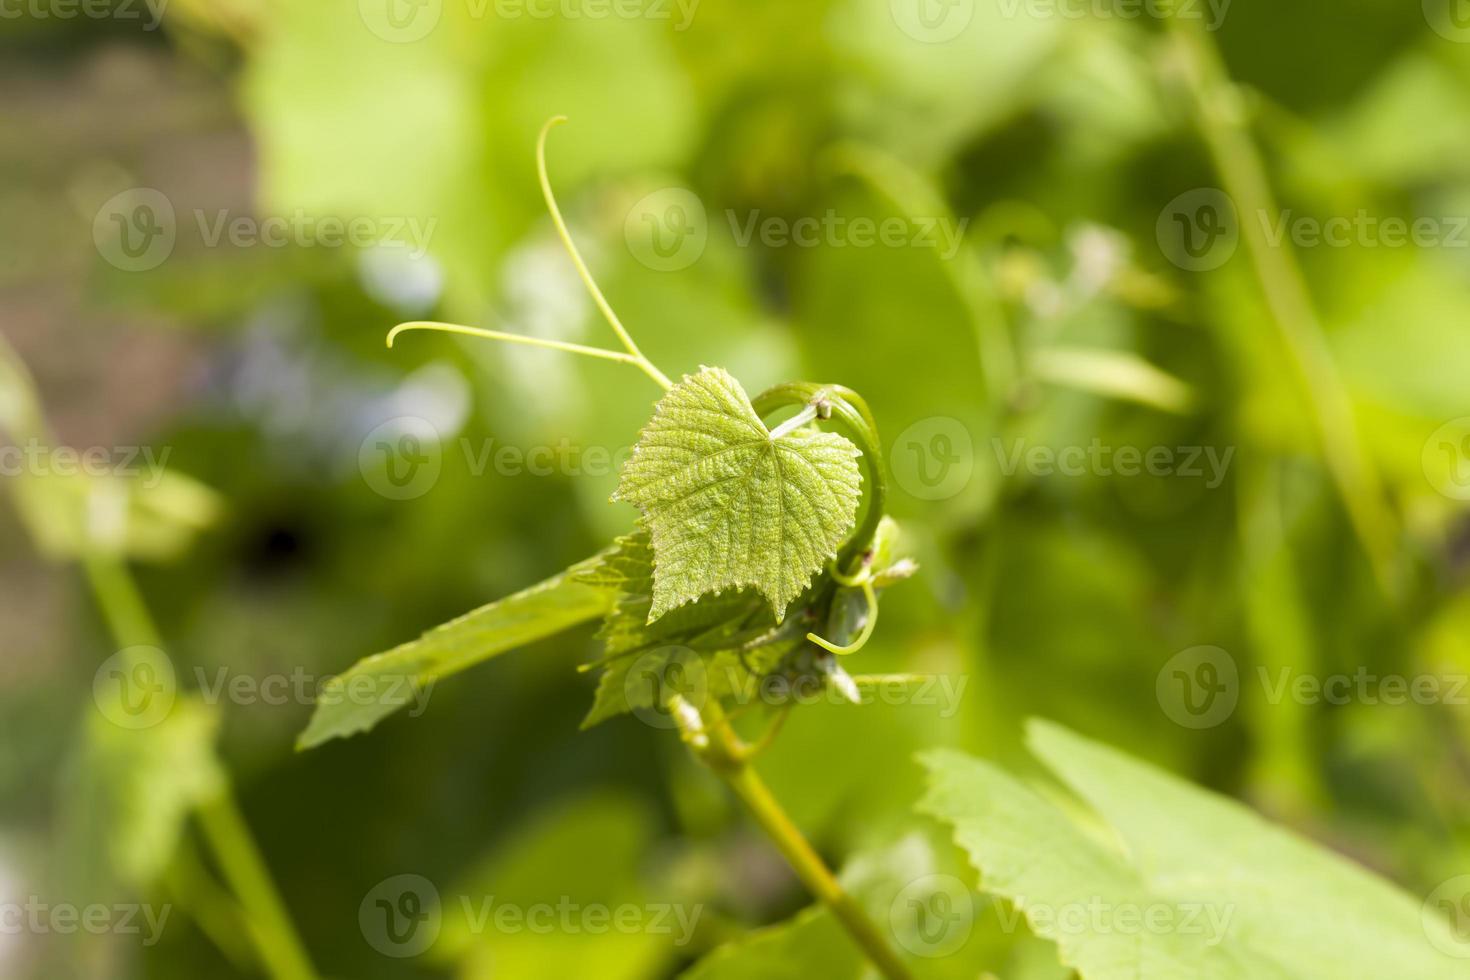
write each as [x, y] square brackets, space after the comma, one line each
[1061, 318]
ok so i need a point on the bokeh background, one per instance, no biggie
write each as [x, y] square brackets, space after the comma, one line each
[1104, 234]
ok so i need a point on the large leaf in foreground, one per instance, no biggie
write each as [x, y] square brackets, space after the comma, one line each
[1179, 882]
[730, 505]
[380, 685]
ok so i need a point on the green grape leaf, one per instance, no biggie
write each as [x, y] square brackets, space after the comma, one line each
[1167, 880]
[636, 648]
[729, 504]
[377, 687]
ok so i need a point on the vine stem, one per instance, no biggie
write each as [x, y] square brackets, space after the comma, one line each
[274, 937]
[715, 743]
[244, 868]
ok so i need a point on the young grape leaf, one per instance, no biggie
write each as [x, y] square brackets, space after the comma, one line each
[729, 504]
[380, 685]
[1178, 881]
[637, 650]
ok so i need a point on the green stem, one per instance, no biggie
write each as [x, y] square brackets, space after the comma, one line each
[275, 939]
[1243, 173]
[243, 867]
[121, 604]
[722, 750]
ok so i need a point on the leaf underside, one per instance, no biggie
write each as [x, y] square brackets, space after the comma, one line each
[377, 687]
[715, 629]
[729, 507]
